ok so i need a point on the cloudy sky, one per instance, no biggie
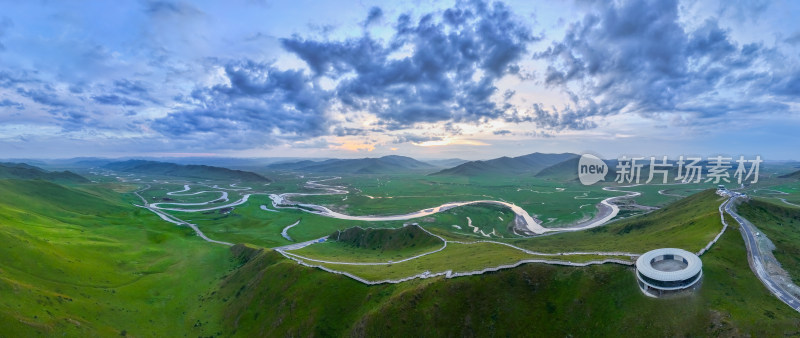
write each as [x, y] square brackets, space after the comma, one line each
[466, 79]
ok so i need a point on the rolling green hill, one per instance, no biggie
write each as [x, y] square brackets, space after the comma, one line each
[188, 171]
[25, 171]
[373, 245]
[86, 262]
[385, 239]
[794, 175]
[381, 165]
[527, 164]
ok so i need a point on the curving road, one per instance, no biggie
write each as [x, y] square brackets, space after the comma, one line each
[755, 258]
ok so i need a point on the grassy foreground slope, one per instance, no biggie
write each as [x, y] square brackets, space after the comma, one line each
[270, 295]
[85, 262]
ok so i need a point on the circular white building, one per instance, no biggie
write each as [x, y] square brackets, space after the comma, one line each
[667, 269]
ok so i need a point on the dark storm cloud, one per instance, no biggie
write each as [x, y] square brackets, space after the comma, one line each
[170, 8]
[375, 15]
[262, 104]
[72, 120]
[9, 79]
[136, 89]
[45, 96]
[793, 39]
[567, 118]
[344, 131]
[633, 56]
[131, 87]
[788, 85]
[455, 59]
[116, 100]
[9, 103]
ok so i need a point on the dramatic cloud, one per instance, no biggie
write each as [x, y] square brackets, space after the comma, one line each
[116, 100]
[9, 103]
[45, 96]
[440, 68]
[375, 15]
[259, 104]
[635, 57]
[180, 76]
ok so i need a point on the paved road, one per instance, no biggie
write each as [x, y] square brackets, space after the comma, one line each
[757, 262]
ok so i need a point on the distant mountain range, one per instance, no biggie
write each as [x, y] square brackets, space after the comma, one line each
[29, 172]
[568, 170]
[380, 165]
[526, 164]
[188, 171]
[446, 163]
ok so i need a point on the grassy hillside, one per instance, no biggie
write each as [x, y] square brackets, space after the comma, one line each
[269, 295]
[384, 239]
[88, 263]
[189, 171]
[794, 175]
[781, 224]
[373, 245]
[25, 171]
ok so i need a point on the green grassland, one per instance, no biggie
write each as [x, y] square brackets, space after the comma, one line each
[247, 223]
[416, 192]
[269, 295]
[781, 224]
[689, 224]
[490, 219]
[81, 260]
[456, 257]
[776, 188]
[555, 203]
[84, 262]
[651, 197]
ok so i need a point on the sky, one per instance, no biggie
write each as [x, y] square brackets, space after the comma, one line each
[427, 79]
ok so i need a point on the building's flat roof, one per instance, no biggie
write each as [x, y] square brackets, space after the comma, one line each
[693, 267]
